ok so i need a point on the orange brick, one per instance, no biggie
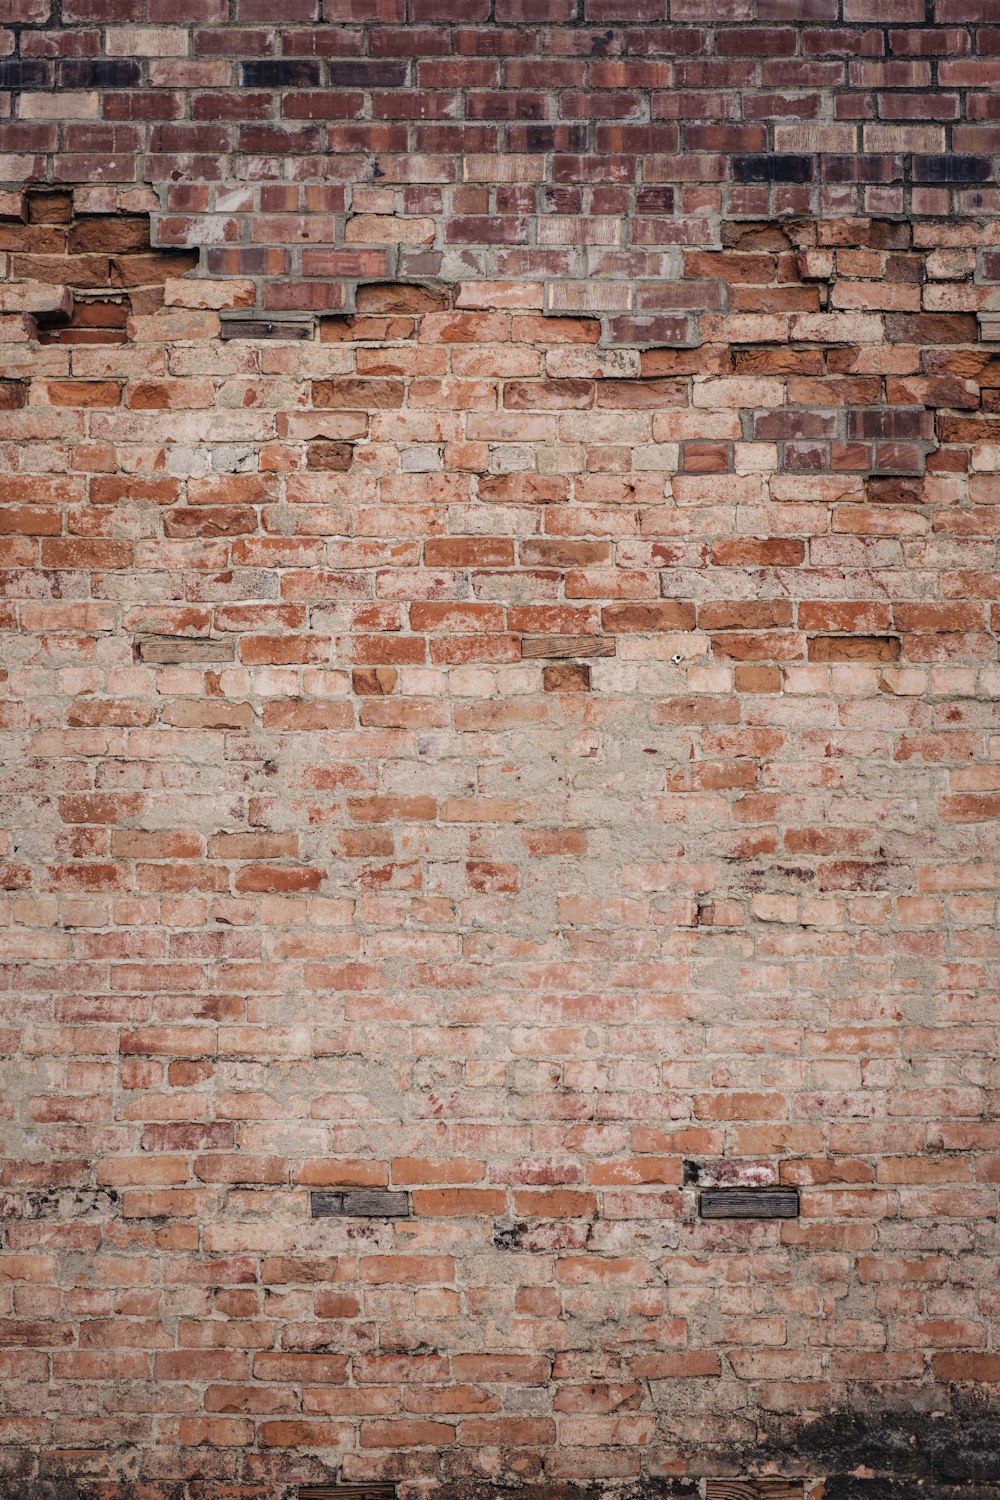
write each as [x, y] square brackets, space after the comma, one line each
[83, 392]
[448, 1203]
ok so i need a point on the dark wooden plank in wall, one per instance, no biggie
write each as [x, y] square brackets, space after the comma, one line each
[347, 1491]
[749, 1203]
[256, 328]
[365, 1203]
[753, 1489]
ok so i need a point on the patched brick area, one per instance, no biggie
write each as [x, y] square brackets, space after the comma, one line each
[498, 750]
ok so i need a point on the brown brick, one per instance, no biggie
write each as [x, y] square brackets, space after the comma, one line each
[853, 648]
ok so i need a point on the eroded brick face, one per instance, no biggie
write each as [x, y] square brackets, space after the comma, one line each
[498, 791]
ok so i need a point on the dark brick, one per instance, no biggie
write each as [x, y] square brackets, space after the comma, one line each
[770, 168]
[885, 234]
[908, 268]
[952, 169]
[27, 73]
[100, 73]
[907, 423]
[13, 393]
[895, 491]
[283, 73]
[531, 138]
[655, 200]
[362, 74]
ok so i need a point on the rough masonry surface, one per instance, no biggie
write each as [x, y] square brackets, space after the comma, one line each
[498, 749]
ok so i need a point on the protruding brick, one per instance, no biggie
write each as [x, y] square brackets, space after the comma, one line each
[36, 297]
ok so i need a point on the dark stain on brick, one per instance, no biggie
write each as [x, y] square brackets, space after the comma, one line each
[944, 1446]
[71, 1203]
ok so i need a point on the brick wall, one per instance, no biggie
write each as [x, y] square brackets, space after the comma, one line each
[501, 139]
[498, 739]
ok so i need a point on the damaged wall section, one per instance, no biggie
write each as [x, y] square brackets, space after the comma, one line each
[449, 763]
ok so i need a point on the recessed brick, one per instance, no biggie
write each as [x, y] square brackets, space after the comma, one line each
[854, 648]
[566, 677]
[332, 457]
